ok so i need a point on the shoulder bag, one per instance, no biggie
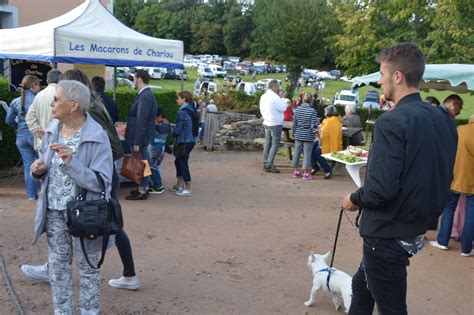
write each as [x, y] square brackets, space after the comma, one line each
[93, 218]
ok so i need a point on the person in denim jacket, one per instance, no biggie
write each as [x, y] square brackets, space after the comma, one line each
[24, 138]
[183, 134]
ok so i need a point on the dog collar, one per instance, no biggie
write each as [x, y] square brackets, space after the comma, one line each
[329, 270]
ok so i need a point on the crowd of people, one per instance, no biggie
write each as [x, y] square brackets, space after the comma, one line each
[404, 192]
[68, 142]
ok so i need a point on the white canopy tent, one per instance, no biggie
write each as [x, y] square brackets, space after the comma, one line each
[89, 34]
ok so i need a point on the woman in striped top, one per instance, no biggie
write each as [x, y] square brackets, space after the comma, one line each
[305, 122]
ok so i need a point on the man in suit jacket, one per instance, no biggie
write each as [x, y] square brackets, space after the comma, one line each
[141, 126]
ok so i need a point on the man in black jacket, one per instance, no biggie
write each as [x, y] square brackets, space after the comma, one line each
[409, 171]
[141, 126]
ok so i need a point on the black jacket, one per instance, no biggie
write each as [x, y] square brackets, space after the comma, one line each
[141, 119]
[110, 105]
[409, 170]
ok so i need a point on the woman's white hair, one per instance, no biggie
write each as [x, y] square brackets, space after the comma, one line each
[76, 91]
[350, 109]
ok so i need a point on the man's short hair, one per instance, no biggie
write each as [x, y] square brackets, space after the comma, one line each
[308, 98]
[406, 58]
[432, 100]
[98, 84]
[142, 74]
[53, 76]
[272, 84]
[331, 110]
[454, 98]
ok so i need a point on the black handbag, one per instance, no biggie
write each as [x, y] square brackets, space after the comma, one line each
[179, 150]
[93, 218]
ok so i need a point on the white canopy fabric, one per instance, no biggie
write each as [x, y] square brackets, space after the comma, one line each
[89, 34]
[455, 77]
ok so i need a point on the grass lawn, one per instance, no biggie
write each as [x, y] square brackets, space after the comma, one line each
[332, 87]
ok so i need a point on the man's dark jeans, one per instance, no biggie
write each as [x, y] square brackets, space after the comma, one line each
[381, 278]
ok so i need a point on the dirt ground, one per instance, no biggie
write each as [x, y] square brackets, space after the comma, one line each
[239, 245]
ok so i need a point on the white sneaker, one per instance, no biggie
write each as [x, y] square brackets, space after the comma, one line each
[438, 245]
[129, 283]
[36, 272]
[467, 254]
[184, 192]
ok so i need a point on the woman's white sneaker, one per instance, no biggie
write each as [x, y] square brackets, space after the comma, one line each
[129, 283]
[438, 245]
[184, 192]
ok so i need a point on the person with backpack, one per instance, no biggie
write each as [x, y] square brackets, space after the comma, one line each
[185, 133]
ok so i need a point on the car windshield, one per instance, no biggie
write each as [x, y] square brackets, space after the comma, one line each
[371, 98]
[349, 98]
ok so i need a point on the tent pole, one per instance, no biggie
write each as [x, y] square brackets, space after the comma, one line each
[182, 81]
[115, 84]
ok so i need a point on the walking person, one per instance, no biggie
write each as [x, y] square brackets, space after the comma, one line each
[463, 183]
[39, 115]
[402, 187]
[16, 118]
[74, 148]
[305, 121]
[184, 143]
[272, 106]
[141, 127]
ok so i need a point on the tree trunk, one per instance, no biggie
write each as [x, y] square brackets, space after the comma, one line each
[293, 76]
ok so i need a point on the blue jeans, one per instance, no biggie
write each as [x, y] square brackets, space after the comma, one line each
[381, 279]
[182, 164]
[24, 143]
[317, 158]
[155, 157]
[272, 143]
[447, 222]
[201, 132]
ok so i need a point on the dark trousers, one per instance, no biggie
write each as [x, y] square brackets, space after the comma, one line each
[381, 279]
[182, 164]
[121, 239]
[317, 158]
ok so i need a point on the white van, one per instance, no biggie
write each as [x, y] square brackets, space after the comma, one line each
[346, 97]
[207, 88]
[155, 73]
[217, 70]
[249, 88]
[262, 85]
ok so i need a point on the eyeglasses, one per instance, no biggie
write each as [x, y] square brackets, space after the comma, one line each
[55, 99]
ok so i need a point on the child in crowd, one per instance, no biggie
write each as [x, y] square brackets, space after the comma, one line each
[156, 151]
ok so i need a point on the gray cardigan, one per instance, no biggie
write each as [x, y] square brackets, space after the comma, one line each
[93, 154]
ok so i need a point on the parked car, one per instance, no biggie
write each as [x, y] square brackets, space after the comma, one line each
[197, 84]
[257, 69]
[234, 59]
[325, 75]
[345, 97]
[168, 74]
[259, 63]
[124, 73]
[243, 68]
[262, 85]
[231, 69]
[249, 88]
[205, 72]
[206, 88]
[371, 100]
[232, 80]
[181, 73]
[217, 71]
[155, 73]
[335, 73]
[125, 82]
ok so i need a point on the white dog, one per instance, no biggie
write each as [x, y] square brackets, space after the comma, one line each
[340, 283]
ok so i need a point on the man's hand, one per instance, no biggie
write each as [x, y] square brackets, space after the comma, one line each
[39, 133]
[136, 148]
[38, 167]
[347, 204]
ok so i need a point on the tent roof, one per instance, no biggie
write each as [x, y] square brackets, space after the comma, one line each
[455, 77]
[89, 34]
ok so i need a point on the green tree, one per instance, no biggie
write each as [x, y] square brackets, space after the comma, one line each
[452, 38]
[127, 10]
[237, 31]
[369, 26]
[297, 32]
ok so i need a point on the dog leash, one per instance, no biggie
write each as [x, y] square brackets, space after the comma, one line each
[334, 248]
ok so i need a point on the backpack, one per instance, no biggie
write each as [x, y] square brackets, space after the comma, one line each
[195, 120]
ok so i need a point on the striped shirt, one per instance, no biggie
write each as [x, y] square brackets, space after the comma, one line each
[305, 122]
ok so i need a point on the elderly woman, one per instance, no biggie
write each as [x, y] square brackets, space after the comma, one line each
[183, 134]
[30, 85]
[305, 121]
[73, 148]
[352, 120]
[330, 132]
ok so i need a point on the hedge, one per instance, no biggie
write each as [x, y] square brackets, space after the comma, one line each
[9, 155]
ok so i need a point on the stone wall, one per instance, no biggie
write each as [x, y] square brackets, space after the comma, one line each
[239, 132]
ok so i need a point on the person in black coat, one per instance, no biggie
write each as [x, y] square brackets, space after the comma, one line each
[141, 126]
[409, 171]
[98, 86]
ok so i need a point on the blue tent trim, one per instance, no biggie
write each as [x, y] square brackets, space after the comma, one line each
[107, 62]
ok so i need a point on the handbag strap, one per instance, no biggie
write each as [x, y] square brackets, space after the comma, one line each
[101, 184]
[105, 242]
